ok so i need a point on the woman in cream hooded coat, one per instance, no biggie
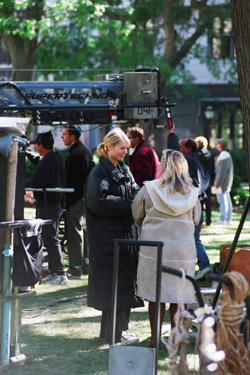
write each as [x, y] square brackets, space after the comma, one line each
[167, 210]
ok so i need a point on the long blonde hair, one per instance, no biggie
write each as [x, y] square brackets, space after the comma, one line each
[113, 137]
[175, 174]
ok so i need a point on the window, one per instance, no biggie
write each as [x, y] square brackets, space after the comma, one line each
[221, 43]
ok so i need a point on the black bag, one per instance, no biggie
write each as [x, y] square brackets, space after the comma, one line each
[28, 253]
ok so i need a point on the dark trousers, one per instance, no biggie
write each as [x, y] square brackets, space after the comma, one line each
[203, 260]
[122, 323]
[50, 236]
[75, 220]
[207, 204]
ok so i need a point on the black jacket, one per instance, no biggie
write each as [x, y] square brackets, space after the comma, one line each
[197, 172]
[108, 199]
[77, 167]
[207, 161]
[49, 173]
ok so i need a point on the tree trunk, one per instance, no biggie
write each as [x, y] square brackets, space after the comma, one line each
[22, 53]
[22, 49]
[173, 55]
[241, 24]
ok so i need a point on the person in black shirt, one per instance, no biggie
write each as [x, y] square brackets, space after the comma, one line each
[77, 167]
[49, 173]
[207, 161]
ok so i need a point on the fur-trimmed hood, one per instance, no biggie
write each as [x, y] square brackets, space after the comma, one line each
[174, 204]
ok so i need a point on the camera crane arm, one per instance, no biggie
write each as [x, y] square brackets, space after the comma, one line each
[132, 96]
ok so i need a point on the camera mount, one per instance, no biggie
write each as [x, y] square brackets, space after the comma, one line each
[132, 96]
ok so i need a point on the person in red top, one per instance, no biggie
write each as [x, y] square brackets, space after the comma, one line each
[143, 162]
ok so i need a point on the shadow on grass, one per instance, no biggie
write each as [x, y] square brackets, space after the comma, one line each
[70, 352]
[51, 296]
[65, 356]
[65, 339]
[61, 354]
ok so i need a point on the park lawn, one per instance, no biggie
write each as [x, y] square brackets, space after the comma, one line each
[213, 236]
[61, 334]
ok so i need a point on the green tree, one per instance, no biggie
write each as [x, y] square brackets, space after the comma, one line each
[111, 34]
[144, 33]
[27, 24]
[20, 22]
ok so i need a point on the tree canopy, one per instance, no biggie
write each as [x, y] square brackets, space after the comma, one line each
[111, 34]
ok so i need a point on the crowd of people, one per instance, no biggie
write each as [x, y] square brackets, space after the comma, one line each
[150, 199]
[51, 172]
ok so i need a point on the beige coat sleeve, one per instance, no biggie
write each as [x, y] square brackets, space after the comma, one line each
[138, 207]
[197, 212]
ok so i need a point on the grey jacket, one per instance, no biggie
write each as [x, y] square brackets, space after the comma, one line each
[224, 171]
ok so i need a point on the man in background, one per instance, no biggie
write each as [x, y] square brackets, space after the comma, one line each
[49, 173]
[143, 162]
[207, 161]
[77, 167]
[223, 179]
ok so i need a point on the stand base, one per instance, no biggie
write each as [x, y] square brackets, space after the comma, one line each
[15, 362]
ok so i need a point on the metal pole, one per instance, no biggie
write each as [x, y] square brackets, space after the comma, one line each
[157, 304]
[114, 291]
[52, 190]
[8, 251]
[15, 326]
[6, 313]
[159, 246]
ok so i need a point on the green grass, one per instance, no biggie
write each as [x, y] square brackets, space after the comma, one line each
[213, 236]
[64, 338]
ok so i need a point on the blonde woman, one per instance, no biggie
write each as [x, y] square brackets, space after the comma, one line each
[167, 209]
[109, 194]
